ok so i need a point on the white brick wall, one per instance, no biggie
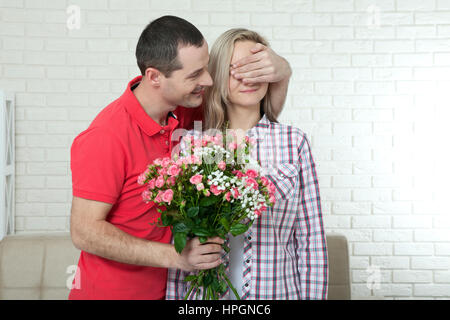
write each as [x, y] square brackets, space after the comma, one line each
[370, 87]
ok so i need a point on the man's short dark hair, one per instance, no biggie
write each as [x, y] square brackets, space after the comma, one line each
[158, 44]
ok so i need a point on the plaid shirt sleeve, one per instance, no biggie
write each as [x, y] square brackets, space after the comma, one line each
[310, 234]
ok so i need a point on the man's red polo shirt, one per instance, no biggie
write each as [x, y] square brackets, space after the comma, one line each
[106, 160]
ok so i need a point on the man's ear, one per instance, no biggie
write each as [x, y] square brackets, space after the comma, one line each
[153, 76]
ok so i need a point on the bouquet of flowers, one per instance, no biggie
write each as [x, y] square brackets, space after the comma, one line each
[212, 187]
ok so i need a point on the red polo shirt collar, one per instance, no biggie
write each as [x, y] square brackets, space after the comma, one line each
[137, 112]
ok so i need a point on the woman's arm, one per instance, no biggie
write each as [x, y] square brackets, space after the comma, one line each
[264, 65]
[310, 234]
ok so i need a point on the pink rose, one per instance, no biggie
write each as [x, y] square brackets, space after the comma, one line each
[151, 184]
[252, 183]
[200, 187]
[217, 140]
[215, 190]
[166, 161]
[196, 179]
[264, 181]
[272, 199]
[222, 165]
[172, 181]
[141, 179]
[167, 196]
[159, 182]
[158, 197]
[235, 192]
[238, 173]
[251, 173]
[162, 171]
[174, 170]
[147, 195]
[232, 146]
[271, 188]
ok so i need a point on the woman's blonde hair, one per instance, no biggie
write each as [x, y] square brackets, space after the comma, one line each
[216, 97]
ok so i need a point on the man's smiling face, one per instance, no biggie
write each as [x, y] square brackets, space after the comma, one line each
[185, 86]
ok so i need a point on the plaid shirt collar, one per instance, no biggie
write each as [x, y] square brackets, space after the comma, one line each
[260, 130]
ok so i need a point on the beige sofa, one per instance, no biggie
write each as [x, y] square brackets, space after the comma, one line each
[41, 266]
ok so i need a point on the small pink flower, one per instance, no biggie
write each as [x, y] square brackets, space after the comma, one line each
[215, 190]
[271, 188]
[257, 213]
[158, 197]
[197, 142]
[147, 195]
[222, 165]
[264, 181]
[235, 192]
[228, 196]
[174, 170]
[196, 179]
[272, 199]
[232, 146]
[151, 184]
[172, 181]
[167, 196]
[141, 179]
[166, 161]
[200, 187]
[162, 171]
[206, 192]
[157, 161]
[251, 173]
[238, 173]
[159, 182]
[217, 140]
[252, 183]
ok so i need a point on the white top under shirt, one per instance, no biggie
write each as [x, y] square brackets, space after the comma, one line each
[236, 264]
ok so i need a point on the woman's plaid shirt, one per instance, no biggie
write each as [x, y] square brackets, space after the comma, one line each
[285, 250]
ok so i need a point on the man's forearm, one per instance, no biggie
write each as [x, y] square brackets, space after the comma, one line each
[278, 91]
[105, 240]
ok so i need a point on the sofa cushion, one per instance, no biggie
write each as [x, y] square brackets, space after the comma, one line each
[41, 266]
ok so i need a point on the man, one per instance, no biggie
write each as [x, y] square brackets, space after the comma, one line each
[124, 255]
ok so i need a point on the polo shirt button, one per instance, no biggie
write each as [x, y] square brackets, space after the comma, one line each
[246, 285]
[167, 143]
[162, 131]
[248, 261]
[249, 238]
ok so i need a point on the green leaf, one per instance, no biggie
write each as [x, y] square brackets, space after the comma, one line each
[180, 239]
[238, 229]
[180, 227]
[166, 220]
[203, 239]
[208, 201]
[225, 223]
[200, 232]
[192, 212]
[190, 278]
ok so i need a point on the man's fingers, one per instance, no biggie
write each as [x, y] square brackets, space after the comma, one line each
[248, 59]
[209, 248]
[249, 67]
[258, 47]
[217, 240]
[209, 265]
[261, 79]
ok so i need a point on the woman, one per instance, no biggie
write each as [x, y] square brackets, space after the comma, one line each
[284, 254]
